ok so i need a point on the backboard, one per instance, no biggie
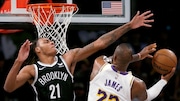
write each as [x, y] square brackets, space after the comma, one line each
[90, 11]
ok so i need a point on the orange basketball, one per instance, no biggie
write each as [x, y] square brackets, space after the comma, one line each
[164, 60]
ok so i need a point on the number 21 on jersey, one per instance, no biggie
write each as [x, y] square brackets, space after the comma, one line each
[55, 91]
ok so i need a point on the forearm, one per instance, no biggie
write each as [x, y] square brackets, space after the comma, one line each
[9, 85]
[155, 90]
[115, 34]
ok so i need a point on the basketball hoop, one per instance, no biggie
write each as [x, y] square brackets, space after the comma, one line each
[52, 21]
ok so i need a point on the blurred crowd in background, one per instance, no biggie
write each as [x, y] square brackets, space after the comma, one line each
[164, 32]
[10, 43]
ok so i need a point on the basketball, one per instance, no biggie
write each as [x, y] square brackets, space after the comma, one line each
[164, 60]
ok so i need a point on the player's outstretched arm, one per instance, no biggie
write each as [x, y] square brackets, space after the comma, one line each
[107, 39]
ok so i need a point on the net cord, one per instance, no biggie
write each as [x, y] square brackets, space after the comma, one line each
[55, 30]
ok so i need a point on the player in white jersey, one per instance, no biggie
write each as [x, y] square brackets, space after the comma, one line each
[110, 80]
[110, 84]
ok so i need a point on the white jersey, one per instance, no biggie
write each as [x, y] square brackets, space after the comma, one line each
[110, 85]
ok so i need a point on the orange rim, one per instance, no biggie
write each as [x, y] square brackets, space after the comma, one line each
[56, 6]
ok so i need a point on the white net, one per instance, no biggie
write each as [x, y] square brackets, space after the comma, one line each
[52, 21]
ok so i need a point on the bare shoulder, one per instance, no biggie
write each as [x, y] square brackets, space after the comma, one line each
[100, 60]
[69, 56]
[29, 69]
[98, 63]
[139, 83]
[138, 89]
[71, 53]
[27, 73]
[138, 80]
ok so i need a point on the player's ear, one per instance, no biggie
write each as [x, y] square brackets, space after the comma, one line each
[37, 49]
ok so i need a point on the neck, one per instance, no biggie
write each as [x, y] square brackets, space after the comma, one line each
[47, 59]
[120, 67]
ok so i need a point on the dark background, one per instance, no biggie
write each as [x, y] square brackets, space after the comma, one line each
[164, 32]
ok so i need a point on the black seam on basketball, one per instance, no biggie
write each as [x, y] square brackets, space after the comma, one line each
[159, 69]
[161, 64]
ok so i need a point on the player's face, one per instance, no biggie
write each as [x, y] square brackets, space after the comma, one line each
[46, 46]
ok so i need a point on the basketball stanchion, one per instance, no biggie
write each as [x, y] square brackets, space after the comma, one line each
[52, 21]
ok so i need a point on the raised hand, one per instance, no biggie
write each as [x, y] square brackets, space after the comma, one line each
[24, 51]
[142, 20]
[145, 52]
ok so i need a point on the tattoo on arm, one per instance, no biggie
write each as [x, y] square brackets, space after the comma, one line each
[109, 38]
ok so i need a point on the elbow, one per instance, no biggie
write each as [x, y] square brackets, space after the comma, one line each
[7, 89]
